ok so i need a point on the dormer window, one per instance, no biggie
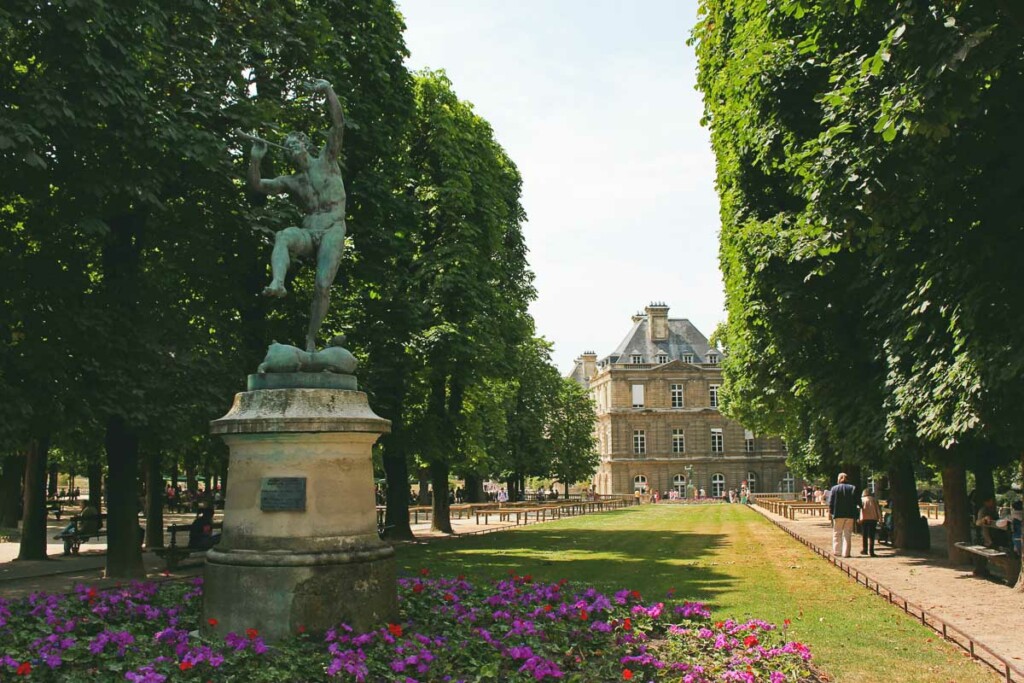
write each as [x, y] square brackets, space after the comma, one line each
[662, 358]
[687, 357]
[636, 359]
[712, 359]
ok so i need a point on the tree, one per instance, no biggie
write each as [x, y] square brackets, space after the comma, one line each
[574, 455]
[471, 270]
[866, 177]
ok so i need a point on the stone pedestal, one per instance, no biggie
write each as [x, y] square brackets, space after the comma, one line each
[289, 558]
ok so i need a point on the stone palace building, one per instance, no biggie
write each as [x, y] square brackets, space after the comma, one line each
[658, 423]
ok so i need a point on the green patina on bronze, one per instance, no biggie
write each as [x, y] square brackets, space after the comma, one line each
[318, 189]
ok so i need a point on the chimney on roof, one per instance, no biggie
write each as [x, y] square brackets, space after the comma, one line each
[657, 325]
[589, 361]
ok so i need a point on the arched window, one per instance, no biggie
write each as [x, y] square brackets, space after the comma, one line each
[679, 483]
[640, 483]
[751, 482]
[717, 485]
[788, 483]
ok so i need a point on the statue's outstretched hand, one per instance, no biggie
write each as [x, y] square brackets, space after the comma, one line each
[259, 149]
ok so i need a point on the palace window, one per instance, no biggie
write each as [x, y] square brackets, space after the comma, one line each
[717, 442]
[638, 395]
[687, 357]
[678, 441]
[712, 359]
[679, 483]
[677, 395]
[640, 483]
[639, 442]
[636, 358]
[662, 358]
[748, 441]
[751, 482]
[717, 485]
[788, 483]
[713, 394]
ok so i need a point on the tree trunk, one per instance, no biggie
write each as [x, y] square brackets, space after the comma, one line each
[12, 477]
[95, 473]
[33, 528]
[396, 474]
[191, 483]
[51, 487]
[174, 474]
[424, 499]
[474, 489]
[154, 501]
[984, 483]
[908, 532]
[1020, 579]
[124, 550]
[440, 518]
[958, 510]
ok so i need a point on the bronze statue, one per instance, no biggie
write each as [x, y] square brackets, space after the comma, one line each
[318, 189]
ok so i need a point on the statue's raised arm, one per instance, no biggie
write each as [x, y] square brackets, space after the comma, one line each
[337, 132]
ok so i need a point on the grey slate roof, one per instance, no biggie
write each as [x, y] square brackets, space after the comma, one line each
[577, 374]
[683, 338]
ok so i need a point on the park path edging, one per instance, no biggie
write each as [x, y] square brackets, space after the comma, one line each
[977, 649]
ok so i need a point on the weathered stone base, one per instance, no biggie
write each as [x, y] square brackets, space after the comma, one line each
[279, 592]
[312, 558]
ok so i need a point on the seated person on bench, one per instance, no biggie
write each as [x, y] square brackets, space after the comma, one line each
[988, 516]
[200, 534]
[87, 525]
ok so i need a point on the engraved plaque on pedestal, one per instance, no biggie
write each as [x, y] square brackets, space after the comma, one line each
[283, 494]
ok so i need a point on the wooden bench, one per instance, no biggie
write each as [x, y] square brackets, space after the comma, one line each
[174, 554]
[74, 540]
[1008, 563]
[55, 505]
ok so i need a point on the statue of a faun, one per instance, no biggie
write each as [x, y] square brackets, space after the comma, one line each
[318, 190]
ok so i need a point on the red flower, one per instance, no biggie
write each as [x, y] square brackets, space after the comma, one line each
[185, 666]
[449, 597]
[528, 578]
[627, 624]
[635, 594]
[212, 622]
[424, 572]
[583, 615]
[787, 622]
[302, 628]
[548, 608]
[750, 641]
[24, 670]
[417, 587]
[395, 630]
[627, 674]
[91, 594]
[251, 633]
[719, 624]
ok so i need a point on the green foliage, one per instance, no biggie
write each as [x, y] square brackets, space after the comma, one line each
[868, 155]
[571, 432]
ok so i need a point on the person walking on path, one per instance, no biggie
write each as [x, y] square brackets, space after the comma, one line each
[842, 510]
[870, 514]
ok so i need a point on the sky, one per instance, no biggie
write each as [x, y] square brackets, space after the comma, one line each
[594, 100]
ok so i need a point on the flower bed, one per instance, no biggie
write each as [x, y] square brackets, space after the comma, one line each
[449, 630]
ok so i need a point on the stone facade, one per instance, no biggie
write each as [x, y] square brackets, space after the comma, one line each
[658, 420]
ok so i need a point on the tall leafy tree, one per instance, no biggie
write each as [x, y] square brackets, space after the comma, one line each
[471, 270]
[866, 173]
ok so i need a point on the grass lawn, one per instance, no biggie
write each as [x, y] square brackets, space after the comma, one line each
[728, 557]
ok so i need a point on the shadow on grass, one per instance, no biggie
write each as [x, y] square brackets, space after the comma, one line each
[651, 561]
